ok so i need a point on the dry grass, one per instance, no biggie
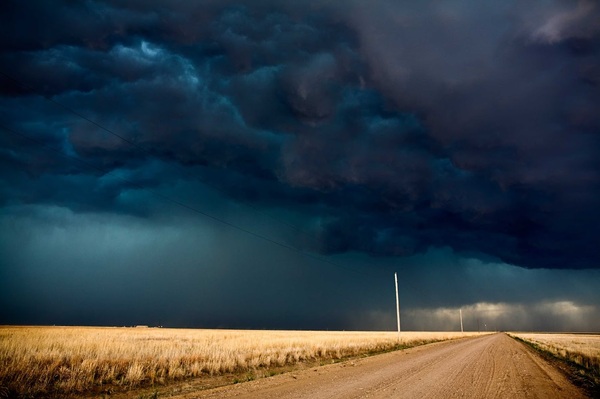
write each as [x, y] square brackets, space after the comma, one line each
[62, 360]
[581, 349]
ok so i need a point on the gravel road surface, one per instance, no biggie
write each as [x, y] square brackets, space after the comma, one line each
[492, 366]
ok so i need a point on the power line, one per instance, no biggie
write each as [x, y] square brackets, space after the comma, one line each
[179, 203]
[146, 151]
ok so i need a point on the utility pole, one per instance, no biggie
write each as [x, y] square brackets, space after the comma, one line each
[397, 304]
[461, 325]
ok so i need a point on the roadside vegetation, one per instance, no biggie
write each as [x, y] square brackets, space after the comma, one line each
[581, 350]
[55, 361]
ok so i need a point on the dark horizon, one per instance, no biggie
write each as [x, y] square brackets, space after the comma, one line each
[271, 165]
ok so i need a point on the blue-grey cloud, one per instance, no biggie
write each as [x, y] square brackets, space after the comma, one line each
[388, 129]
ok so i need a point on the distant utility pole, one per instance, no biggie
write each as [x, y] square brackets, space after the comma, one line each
[461, 325]
[397, 304]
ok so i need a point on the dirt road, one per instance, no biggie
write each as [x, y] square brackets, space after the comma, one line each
[493, 366]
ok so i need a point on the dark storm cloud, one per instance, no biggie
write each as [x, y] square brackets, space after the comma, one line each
[393, 128]
[177, 270]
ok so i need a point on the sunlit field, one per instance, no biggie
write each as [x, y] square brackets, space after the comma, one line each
[62, 360]
[581, 349]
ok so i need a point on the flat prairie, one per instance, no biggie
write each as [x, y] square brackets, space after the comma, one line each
[56, 361]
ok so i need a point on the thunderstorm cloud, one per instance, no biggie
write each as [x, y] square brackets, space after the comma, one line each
[452, 139]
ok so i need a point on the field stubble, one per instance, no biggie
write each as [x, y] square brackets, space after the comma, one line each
[69, 360]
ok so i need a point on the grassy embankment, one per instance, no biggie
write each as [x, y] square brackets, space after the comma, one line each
[579, 350]
[54, 361]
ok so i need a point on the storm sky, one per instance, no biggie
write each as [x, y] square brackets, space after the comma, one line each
[271, 164]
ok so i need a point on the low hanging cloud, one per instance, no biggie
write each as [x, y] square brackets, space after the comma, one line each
[391, 128]
[536, 316]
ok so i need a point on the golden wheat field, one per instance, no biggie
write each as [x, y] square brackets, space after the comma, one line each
[582, 349]
[63, 360]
